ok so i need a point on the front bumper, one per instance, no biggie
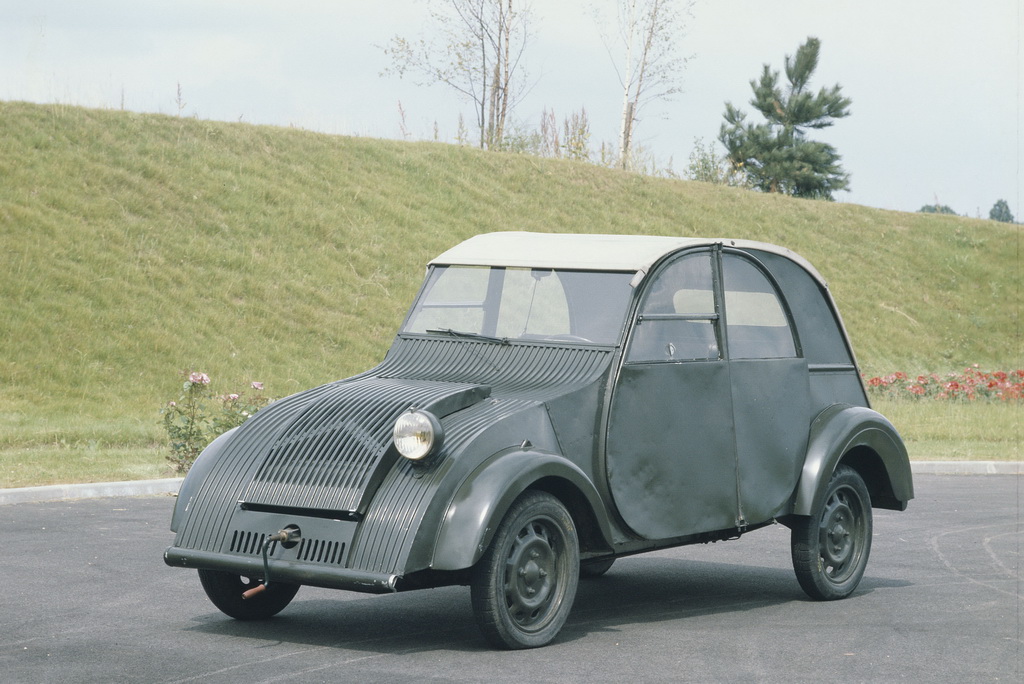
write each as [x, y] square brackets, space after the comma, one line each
[290, 571]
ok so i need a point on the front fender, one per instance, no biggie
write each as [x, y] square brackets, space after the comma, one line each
[869, 442]
[196, 476]
[481, 502]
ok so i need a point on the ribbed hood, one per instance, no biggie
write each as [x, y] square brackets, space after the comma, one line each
[336, 449]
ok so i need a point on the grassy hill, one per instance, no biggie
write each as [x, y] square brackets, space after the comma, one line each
[136, 246]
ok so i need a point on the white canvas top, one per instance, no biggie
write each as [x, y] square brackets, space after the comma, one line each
[585, 252]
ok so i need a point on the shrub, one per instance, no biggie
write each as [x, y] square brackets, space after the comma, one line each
[707, 166]
[936, 209]
[199, 416]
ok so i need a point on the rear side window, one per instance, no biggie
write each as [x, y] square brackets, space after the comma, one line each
[817, 324]
[756, 322]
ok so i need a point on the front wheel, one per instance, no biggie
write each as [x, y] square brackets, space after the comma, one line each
[524, 585]
[831, 546]
[225, 590]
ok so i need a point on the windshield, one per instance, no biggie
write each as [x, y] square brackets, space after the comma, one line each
[522, 304]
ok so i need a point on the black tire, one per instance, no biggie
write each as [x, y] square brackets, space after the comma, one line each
[524, 585]
[831, 547]
[595, 568]
[225, 590]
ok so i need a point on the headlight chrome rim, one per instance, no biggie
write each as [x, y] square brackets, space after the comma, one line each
[417, 435]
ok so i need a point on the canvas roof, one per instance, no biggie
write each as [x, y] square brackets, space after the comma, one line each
[587, 252]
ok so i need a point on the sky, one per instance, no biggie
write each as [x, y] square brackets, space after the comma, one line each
[936, 85]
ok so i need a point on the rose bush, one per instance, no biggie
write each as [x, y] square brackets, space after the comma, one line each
[199, 416]
[971, 384]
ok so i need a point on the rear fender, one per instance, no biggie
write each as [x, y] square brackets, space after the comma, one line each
[483, 499]
[865, 440]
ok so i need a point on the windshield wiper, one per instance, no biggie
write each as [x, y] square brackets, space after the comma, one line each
[468, 335]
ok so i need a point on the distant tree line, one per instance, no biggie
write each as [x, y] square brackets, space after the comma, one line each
[1000, 211]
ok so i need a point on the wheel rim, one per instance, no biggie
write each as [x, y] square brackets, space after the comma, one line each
[532, 575]
[841, 535]
[247, 583]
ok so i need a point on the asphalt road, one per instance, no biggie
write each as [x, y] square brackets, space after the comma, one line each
[87, 598]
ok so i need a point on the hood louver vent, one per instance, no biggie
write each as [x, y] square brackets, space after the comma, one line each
[336, 451]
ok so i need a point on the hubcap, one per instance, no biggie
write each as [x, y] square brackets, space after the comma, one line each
[531, 575]
[840, 535]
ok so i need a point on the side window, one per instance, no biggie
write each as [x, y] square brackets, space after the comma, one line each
[677, 320]
[756, 322]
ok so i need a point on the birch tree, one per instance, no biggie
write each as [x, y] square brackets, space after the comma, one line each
[477, 51]
[650, 34]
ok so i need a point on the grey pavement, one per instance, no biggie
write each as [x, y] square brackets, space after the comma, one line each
[171, 485]
[87, 598]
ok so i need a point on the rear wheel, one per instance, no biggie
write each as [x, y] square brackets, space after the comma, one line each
[831, 547]
[524, 585]
[225, 590]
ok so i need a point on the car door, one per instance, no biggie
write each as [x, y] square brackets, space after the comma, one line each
[770, 388]
[670, 447]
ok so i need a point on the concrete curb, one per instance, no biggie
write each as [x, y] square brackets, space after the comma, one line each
[967, 467]
[170, 485]
[89, 491]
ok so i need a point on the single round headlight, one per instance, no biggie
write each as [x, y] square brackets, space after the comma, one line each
[417, 434]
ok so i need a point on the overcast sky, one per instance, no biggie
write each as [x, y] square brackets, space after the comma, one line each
[935, 84]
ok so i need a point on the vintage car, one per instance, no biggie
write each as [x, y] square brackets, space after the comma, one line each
[553, 402]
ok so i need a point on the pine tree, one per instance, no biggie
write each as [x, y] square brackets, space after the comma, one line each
[776, 156]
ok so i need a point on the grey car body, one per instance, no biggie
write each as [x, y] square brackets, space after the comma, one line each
[588, 397]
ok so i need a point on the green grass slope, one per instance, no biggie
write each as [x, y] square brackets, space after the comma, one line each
[136, 246]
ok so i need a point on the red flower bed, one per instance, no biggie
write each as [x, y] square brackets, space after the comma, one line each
[971, 384]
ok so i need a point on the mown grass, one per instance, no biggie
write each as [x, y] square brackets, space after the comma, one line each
[137, 246]
[59, 464]
[957, 430]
